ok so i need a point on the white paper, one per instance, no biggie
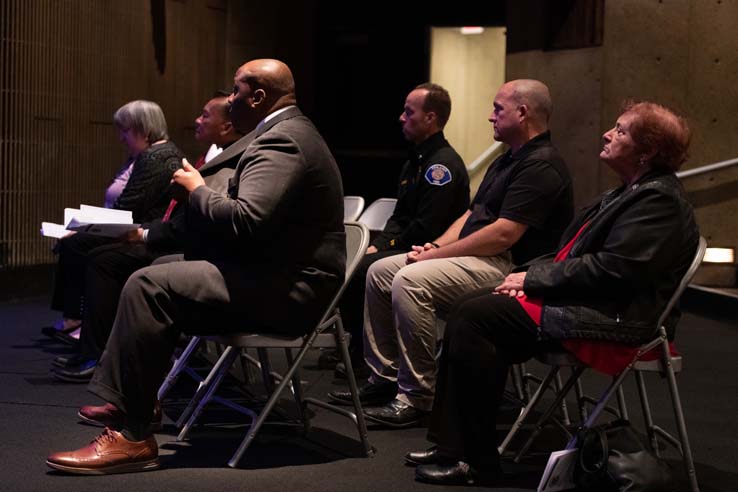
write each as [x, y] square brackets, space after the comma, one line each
[100, 221]
[559, 472]
[101, 215]
[49, 229]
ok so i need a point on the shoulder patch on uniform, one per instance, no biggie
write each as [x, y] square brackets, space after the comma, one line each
[438, 175]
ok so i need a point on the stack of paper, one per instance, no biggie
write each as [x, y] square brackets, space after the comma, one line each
[106, 222]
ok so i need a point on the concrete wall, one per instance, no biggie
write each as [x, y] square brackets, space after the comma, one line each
[681, 53]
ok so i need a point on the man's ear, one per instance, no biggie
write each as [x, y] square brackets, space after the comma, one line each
[258, 96]
[226, 128]
[523, 111]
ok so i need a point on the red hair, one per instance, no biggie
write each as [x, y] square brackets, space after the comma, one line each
[658, 128]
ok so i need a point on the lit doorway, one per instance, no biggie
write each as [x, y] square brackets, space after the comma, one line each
[470, 64]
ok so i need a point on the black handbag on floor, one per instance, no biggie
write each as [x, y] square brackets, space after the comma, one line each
[614, 458]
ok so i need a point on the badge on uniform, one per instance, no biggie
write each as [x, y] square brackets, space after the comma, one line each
[438, 175]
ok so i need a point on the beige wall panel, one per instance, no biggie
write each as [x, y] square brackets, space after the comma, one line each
[574, 81]
[645, 56]
[471, 68]
[713, 81]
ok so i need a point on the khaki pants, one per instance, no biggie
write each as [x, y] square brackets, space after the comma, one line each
[400, 312]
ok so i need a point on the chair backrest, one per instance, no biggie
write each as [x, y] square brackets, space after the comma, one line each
[352, 207]
[686, 279]
[357, 240]
[376, 215]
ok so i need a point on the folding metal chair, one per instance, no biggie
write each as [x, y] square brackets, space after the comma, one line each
[352, 208]
[357, 239]
[666, 366]
[376, 215]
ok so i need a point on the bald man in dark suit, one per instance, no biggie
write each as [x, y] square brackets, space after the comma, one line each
[267, 256]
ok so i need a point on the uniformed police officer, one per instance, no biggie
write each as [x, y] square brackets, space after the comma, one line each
[433, 191]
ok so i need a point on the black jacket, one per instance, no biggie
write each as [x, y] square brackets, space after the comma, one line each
[623, 268]
[426, 207]
[147, 193]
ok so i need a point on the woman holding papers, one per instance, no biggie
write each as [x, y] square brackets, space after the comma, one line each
[617, 265]
[140, 186]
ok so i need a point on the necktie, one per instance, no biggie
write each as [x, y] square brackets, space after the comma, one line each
[173, 203]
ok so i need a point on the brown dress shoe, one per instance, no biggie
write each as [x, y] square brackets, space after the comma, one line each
[108, 453]
[108, 415]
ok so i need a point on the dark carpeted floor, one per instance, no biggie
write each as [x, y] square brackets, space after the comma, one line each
[39, 416]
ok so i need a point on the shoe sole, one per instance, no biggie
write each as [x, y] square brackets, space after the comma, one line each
[469, 481]
[108, 470]
[350, 403]
[69, 379]
[421, 422]
[155, 426]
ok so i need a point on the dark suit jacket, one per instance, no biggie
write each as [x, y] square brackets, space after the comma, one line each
[170, 235]
[280, 224]
[623, 268]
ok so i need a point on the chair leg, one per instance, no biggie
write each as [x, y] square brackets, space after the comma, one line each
[256, 425]
[532, 402]
[517, 380]
[622, 407]
[681, 425]
[342, 345]
[205, 385]
[581, 402]
[297, 392]
[266, 370]
[646, 409]
[525, 382]
[179, 365]
[564, 410]
[575, 375]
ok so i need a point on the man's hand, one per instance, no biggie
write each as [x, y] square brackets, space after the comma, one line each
[512, 285]
[420, 253]
[188, 177]
[370, 250]
[133, 236]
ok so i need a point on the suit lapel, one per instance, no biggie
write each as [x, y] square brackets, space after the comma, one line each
[235, 149]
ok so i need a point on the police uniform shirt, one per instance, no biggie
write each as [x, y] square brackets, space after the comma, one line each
[433, 192]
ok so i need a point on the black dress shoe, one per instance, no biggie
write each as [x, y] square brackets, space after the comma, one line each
[396, 414]
[370, 394]
[69, 361]
[361, 370]
[76, 374]
[458, 473]
[427, 457]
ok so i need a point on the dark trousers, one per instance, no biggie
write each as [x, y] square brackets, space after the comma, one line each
[352, 300]
[160, 302]
[69, 285]
[484, 335]
[108, 268]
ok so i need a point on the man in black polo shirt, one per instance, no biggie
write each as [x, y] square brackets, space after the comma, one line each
[433, 190]
[519, 212]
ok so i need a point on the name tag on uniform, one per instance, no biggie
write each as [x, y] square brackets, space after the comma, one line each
[438, 175]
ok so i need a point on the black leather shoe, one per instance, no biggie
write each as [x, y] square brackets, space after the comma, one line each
[396, 414]
[361, 370]
[76, 374]
[458, 473]
[69, 361]
[427, 457]
[370, 394]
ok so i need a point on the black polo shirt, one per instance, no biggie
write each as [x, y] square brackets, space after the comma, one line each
[531, 187]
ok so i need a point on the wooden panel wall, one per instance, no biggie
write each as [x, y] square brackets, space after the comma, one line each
[66, 67]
